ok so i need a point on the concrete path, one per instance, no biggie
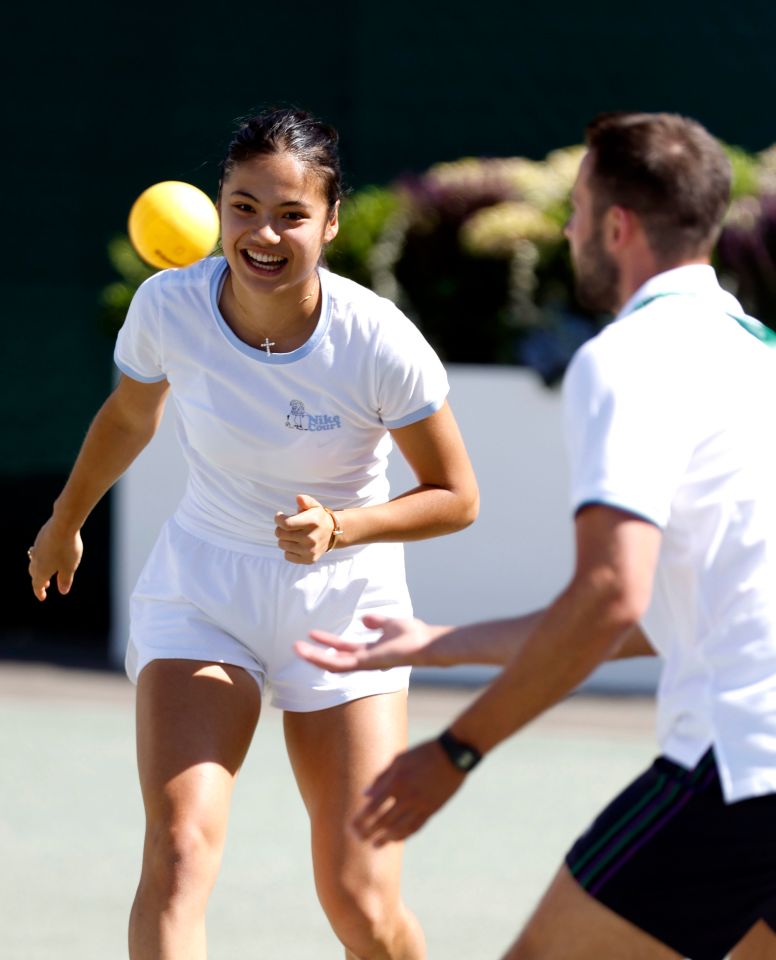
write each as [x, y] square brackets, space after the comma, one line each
[71, 824]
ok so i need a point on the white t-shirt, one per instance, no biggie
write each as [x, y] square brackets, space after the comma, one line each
[257, 429]
[669, 416]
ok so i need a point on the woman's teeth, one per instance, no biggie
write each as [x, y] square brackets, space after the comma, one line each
[267, 261]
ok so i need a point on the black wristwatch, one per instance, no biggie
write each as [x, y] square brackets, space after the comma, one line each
[462, 755]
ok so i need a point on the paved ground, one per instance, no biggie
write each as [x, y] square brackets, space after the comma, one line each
[71, 824]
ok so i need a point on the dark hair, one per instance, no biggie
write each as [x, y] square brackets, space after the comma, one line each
[669, 170]
[286, 130]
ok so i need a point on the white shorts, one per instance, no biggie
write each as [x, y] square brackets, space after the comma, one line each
[246, 605]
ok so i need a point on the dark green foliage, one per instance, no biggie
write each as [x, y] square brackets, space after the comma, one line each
[474, 252]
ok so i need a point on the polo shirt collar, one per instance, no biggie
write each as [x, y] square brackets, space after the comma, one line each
[697, 278]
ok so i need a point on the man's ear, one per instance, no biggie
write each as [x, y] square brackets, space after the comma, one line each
[618, 227]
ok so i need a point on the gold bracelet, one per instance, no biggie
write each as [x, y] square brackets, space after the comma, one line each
[337, 530]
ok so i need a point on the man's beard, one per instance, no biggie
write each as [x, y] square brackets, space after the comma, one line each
[596, 276]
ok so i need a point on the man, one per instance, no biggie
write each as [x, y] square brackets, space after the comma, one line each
[674, 495]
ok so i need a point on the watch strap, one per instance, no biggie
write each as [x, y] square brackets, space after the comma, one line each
[462, 755]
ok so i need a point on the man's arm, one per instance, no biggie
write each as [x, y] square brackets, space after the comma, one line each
[635, 643]
[412, 642]
[587, 624]
[610, 591]
[418, 644]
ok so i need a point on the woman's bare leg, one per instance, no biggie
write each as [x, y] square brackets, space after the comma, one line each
[195, 722]
[336, 754]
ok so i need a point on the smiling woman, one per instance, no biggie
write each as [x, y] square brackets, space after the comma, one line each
[290, 385]
[275, 219]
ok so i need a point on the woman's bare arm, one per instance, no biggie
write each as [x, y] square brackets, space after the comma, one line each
[121, 429]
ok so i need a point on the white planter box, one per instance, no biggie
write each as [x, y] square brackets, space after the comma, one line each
[516, 557]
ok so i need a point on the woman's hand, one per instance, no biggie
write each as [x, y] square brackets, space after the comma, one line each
[304, 537]
[56, 550]
[123, 426]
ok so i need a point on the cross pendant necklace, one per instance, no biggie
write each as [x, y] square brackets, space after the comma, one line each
[267, 344]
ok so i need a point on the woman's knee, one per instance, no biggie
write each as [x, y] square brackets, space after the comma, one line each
[181, 858]
[364, 918]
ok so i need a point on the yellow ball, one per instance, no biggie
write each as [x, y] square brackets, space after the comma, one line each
[173, 224]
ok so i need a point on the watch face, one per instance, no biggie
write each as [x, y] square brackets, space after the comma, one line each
[461, 755]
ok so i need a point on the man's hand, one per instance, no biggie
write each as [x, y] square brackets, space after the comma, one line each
[406, 794]
[403, 643]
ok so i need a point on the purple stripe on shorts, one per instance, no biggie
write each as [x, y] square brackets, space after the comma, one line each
[663, 799]
[593, 890]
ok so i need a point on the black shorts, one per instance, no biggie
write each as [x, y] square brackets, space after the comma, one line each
[669, 855]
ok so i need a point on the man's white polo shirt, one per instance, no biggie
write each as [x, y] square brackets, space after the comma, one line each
[670, 416]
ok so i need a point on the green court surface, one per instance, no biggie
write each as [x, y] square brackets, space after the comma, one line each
[71, 824]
